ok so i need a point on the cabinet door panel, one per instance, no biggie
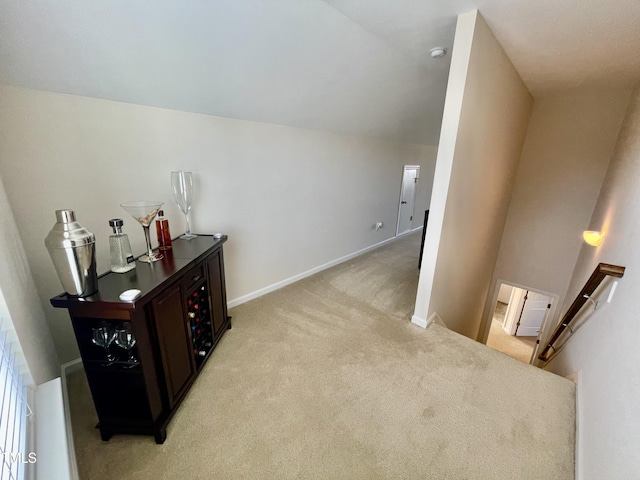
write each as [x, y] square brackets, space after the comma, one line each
[175, 349]
[215, 272]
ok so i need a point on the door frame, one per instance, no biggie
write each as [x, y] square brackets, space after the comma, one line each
[404, 169]
[513, 310]
[486, 321]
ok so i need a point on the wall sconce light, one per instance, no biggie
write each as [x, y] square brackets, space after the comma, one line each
[592, 237]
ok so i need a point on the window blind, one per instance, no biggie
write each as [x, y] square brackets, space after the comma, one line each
[15, 380]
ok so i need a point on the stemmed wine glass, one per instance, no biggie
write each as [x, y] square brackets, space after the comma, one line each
[182, 186]
[144, 213]
[126, 341]
[102, 337]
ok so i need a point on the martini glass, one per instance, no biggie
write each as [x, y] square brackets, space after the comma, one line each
[182, 186]
[144, 213]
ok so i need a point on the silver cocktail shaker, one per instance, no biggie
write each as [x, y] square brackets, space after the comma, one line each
[73, 251]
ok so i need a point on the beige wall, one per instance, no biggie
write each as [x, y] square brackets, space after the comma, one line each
[486, 113]
[290, 199]
[605, 349]
[569, 143]
[19, 291]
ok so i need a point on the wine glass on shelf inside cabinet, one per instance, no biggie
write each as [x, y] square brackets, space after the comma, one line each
[125, 340]
[103, 337]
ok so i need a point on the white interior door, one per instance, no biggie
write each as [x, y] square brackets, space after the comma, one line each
[528, 312]
[536, 308]
[407, 199]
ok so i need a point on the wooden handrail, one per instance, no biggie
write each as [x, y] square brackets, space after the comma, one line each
[602, 270]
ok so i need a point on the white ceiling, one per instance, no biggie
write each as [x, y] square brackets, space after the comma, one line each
[358, 66]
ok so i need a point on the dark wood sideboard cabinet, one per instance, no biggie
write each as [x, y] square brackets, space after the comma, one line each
[177, 322]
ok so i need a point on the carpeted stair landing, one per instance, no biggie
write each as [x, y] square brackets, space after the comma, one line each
[327, 379]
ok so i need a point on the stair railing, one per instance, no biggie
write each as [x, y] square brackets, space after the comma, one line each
[599, 274]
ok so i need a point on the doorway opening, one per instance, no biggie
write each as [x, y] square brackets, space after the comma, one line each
[410, 175]
[518, 321]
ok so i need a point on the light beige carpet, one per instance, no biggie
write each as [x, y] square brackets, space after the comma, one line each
[520, 348]
[327, 379]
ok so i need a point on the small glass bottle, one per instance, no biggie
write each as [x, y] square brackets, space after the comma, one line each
[162, 229]
[121, 256]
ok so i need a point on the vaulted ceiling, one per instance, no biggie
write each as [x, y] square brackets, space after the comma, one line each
[357, 66]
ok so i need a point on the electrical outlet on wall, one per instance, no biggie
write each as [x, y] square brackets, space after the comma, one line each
[379, 225]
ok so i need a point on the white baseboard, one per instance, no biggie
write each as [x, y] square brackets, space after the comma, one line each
[67, 369]
[288, 281]
[70, 367]
[408, 232]
[421, 322]
[433, 318]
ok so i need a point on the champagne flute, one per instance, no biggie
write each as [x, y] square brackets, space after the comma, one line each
[102, 337]
[126, 341]
[182, 186]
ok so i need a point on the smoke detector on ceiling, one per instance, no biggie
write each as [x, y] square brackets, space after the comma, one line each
[438, 52]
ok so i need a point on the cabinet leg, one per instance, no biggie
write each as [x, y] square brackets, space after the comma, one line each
[161, 436]
[105, 434]
[229, 325]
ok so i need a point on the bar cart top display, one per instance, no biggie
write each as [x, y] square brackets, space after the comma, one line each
[182, 254]
[172, 328]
